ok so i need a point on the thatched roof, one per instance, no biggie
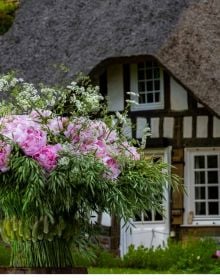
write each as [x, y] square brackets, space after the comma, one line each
[80, 34]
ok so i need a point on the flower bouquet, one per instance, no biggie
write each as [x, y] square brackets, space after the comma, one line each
[61, 158]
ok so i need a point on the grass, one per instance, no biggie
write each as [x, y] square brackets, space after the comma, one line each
[115, 270]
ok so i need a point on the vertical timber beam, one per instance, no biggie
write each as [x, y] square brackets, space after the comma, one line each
[166, 91]
[177, 196]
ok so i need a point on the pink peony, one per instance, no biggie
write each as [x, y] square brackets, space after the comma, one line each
[47, 156]
[30, 139]
[56, 125]
[5, 150]
[72, 132]
[113, 167]
[87, 132]
[25, 132]
[130, 151]
[39, 114]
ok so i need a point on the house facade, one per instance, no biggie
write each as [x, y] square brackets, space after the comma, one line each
[185, 133]
[168, 52]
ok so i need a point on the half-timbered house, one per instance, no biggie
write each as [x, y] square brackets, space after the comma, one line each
[168, 52]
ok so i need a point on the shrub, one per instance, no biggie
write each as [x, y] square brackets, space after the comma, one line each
[196, 256]
[106, 259]
[95, 256]
[5, 22]
[7, 13]
[191, 257]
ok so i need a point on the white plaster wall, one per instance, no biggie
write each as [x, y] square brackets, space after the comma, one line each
[216, 127]
[141, 124]
[187, 127]
[168, 127]
[178, 98]
[115, 87]
[202, 127]
[155, 122]
[106, 219]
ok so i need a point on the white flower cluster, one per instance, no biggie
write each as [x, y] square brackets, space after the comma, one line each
[27, 97]
[133, 100]
[49, 94]
[64, 161]
[122, 119]
[74, 99]
[86, 100]
[8, 81]
[146, 133]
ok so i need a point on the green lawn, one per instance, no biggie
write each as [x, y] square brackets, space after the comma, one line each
[99, 270]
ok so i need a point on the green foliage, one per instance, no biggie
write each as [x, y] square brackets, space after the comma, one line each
[195, 256]
[145, 191]
[38, 254]
[107, 259]
[4, 254]
[7, 13]
[5, 22]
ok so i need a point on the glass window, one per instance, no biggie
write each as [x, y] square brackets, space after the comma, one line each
[149, 84]
[206, 174]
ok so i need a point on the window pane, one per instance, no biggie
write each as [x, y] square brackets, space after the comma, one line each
[212, 161]
[137, 218]
[142, 98]
[158, 217]
[199, 162]
[157, 96]
[149, 74]
[150, 98]
[155, 64]
[200, 193]
[141, 86]
[148, 216]
[157, 85]
[212, 177]
[140, 65]
[200, 208]
[149, 86]
[199, 177]
[149, 64]
[213, 208]
[213, 192]
[141, 75]
[156, 73]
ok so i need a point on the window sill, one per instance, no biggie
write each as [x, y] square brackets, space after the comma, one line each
[142, 107]
[202, 224]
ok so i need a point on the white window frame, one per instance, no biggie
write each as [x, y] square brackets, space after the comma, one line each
[189, 197]
[165, 156]
[153, 221]
[134, 88]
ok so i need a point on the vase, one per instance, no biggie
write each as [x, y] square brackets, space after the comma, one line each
[38, 245]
